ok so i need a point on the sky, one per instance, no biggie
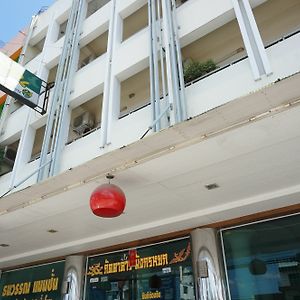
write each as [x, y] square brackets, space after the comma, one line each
[16, 14]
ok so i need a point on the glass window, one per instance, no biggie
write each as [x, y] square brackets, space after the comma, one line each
[162, 271]
[263, 260]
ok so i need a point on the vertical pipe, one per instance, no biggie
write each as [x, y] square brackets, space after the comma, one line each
[162, 64]
[179, 64]
[54, 110]
[71, 65]
[107, 82]
[60, 100]
[155, 64]
[56, 107]
[173, 116]
[151, 72]
[174, 72]
[70, 31]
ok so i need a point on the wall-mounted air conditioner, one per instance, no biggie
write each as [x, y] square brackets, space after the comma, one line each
[7, 159]
[83, 123]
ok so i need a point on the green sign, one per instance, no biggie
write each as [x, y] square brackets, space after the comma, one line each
[37, 283]
[18, 82]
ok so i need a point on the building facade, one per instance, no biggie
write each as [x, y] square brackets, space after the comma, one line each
[193, 106]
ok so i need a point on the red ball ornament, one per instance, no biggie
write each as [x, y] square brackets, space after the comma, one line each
[107, 201]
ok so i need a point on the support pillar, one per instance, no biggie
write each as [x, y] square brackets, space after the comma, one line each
[72, 287]
[252, 39]
[207, 264]
[111, 93]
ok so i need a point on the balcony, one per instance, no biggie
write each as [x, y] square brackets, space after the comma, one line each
[235, 80]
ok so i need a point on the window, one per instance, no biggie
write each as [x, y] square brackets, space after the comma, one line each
[134, 96]
[180, 2]
[263, 260]
[38, 142]
[135, 22]
[8, 155]
[92, 50]
[52, 74]
[94, 5]
[85, 118]
[62, 29]
[33, 51]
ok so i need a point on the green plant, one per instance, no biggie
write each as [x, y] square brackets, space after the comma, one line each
[195, 69]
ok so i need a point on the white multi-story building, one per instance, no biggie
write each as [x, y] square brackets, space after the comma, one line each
[193, 106]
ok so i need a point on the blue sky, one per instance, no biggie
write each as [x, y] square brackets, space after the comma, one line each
[16, 14]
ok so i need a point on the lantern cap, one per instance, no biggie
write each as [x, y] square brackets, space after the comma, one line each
[109, 176]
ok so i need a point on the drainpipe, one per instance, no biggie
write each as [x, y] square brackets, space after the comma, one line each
[108, 77]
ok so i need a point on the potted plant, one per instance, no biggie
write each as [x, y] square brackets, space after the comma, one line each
[195, 69]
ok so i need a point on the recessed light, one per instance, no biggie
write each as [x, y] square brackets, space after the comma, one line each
[4, 245]
[52, 231]
[212, 186]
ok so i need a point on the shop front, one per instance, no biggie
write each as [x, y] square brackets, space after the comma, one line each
[257, 261]
[160, 271]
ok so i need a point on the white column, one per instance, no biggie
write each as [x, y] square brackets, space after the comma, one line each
[252, 39]
[111, 94]
[207, 265]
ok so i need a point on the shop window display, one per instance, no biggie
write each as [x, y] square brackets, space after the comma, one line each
[160, 271]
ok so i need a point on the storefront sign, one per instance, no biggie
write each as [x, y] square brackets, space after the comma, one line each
[18, 82]
[37, 283]
[161, 256]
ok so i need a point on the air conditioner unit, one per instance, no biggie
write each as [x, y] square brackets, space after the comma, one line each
[83, 123]
[7, 159]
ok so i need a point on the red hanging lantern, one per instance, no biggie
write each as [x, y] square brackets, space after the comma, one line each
[107, 201]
